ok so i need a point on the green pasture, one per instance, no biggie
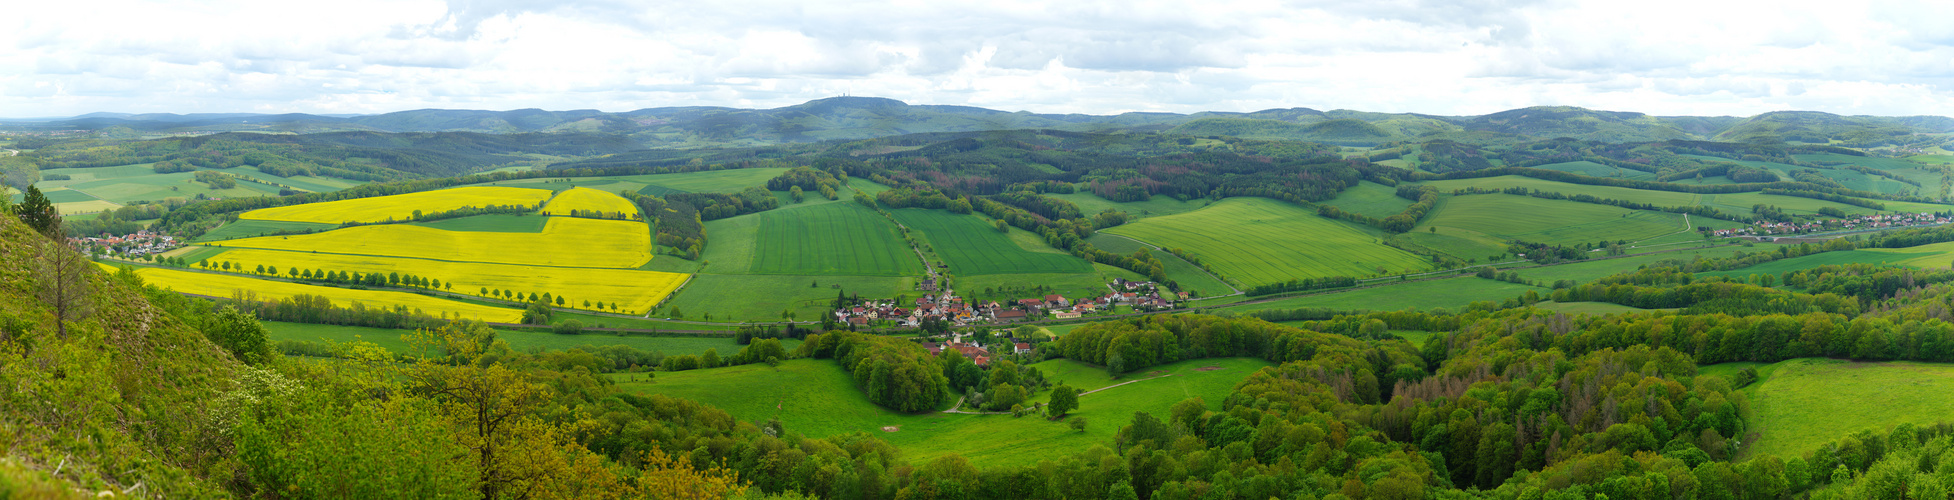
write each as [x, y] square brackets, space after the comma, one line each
[1091, 204]
[973, 247]
[130, 183]
[1590, 270]
[1869, 256]
[525, 341]
[1004, 287]
[493, 223]
[711, 181]
[1557, 222]
[1258, 241]
[1736, 203]
[198, 254]
[761, 297]
[1590, 308]
[1848, 178]
[244, 228]
[819, 399]
[830, 239]
[1371, 199]
[1592, 169]
[1803, 403]
[1449, 293]
[1186, 274]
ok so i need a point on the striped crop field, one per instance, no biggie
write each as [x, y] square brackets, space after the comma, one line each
[830, 239]
[1258, 241]
[583, 199]
[565, 241]
[399, 206]
[972, 247]
[632, 291]
[220, 285]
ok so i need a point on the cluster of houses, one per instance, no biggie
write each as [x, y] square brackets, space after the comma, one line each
[944, 305]
[1878, 221]
[975, 353]
[141, 243]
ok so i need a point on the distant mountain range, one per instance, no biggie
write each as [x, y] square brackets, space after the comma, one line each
[855, 118]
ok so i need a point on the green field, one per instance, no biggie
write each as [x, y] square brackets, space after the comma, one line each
[1585, 271]
[518, 340]
[1070, 285]
[497, 223]
[817, 398]
[1594, 308]
[1371, 199]
[713, 181]
[1880, 256]
[1189, 277]
[1555, 222]
[250, 228]
[1803, 403]
[972, 247]
[830, 239]
[1257, 241]
[759, 297]
[1449, 293]
[130, 183]
[1736, 203]
[1091, 204]
[1592, 169]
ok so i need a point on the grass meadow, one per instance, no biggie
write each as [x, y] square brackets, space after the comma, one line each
[1091, 204]
[715, 181]
[565, 241]
[1184, 273]
[252, 228]
[761, 297]
[1371, 199]
[1803, 403]
[1449, 293]
[1592, 169]
[817, 398]
[399, 206]
[1736, 203]
[972, 247]
[1591, 270]
[525, 341]
[1539, 220]
[221, 285]
[829, 239]
[1258, 241]
[1005, 287]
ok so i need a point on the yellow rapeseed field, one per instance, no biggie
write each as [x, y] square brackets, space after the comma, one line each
[633, 291]
[565, 241]
[219, 285]
[400, 206]
[587, 199]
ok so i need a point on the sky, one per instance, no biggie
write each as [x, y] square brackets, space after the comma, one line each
[1465, 57]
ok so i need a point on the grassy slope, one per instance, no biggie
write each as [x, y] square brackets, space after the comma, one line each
[1591, 270]
[831, 239]
[971, 247]
[1802, 403]
[1539, 220]
[491, 223]
[1451, 293]
[716, 181]
[1092, 204]
[518, 340]
[762, 297]
[1257, 241]
[251, 228]
[1739, 203]
[1370, 198]
[1592, 169]
[1189, 277]
[817, 398]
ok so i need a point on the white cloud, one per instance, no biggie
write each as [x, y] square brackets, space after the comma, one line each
[1669, 57]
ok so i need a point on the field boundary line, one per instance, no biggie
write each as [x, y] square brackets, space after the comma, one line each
[1124, 383]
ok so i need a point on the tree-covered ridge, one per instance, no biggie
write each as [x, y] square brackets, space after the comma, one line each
[351, 155]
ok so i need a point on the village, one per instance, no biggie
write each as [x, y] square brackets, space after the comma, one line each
[945, 307]
[1858, 222]
[140, 243]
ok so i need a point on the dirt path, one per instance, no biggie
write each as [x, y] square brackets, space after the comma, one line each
[954, 409]
[1124, 383]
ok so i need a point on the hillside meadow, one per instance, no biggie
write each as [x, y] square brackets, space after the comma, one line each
[1258, 241]
[817, 398]
[631, 290]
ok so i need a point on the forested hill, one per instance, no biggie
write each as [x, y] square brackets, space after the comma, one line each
[855, 118]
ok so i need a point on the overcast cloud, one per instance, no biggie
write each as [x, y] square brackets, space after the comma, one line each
[1443, 57]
